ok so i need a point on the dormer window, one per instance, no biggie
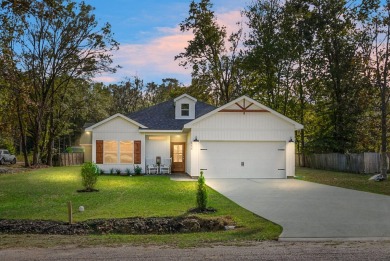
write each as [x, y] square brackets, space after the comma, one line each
[185, 109]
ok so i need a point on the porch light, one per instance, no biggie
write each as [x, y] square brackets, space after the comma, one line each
[291, 140]
[196, 139]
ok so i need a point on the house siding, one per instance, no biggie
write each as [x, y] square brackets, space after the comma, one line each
[118, 129]
[185, 100]
[156, 148]
[237, 126]
[251, 126]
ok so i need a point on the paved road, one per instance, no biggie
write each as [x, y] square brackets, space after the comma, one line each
[267, 250]
[308, 210]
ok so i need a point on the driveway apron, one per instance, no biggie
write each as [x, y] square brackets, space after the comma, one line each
[308, 210]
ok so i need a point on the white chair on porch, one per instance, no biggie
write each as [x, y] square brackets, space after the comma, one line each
[150, 167]
[165, 167]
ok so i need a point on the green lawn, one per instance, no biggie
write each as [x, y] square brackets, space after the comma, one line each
[44, 193]
[344, 180]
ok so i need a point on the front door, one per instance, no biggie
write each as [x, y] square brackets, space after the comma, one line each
[178, 156]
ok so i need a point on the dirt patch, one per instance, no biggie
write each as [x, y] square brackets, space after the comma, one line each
[153, 225]
[11, 169]
[88, 190]
[19, 167]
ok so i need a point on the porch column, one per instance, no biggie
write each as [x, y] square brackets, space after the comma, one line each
[195, 157]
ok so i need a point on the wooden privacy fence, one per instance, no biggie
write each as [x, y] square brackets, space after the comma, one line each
[367, 162]
[69, 159]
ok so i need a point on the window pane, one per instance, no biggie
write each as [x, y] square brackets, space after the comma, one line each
[177, 153]
[178, 157]
[185, 109]
[110, 151]
[126, 151]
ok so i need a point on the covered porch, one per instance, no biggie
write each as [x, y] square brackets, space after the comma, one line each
[166, 153]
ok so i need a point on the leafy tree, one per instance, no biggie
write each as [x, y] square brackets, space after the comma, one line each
[127, 96]
[276, 61]
[212, 61]
[379, 70]
[339, 85]
[307, 60]
[267, 60]
[50, 43]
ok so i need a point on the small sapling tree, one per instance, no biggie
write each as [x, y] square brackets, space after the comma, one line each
[201, 195]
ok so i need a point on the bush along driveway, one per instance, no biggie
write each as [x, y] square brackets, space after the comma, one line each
[310, 211]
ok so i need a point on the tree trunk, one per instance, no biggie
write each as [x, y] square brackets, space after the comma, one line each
[50, 143]
[302, 114]
[36, 140]
[384, 104]
[22, 134]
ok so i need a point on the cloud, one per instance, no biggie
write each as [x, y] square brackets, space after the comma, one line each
[229, 20]
[154, 60]
[105, 78]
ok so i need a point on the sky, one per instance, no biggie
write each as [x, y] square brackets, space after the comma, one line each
[149, 35]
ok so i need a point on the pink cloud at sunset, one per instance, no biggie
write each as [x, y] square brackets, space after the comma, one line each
[154, 60]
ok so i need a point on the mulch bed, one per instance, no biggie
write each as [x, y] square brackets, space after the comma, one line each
[153, 225]
[202, 211]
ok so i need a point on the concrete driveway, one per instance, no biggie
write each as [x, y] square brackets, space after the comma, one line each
[310, 211]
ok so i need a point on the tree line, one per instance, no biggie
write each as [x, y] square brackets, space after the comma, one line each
[50, 51]
[324, 64]
[321, 63]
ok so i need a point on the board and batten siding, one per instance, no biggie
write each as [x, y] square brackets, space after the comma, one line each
[157, 148]
[236, 126]
[251, 126]
[118, 129]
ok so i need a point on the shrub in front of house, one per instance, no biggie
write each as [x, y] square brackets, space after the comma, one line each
[128, 171]
[137, 170]
[201, 194]
[89, 175]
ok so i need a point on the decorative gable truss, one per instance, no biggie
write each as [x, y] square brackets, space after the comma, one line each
[243, 106]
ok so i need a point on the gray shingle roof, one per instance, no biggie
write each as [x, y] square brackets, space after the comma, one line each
[162, 116]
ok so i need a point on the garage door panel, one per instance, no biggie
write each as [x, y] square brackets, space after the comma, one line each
[243, 159]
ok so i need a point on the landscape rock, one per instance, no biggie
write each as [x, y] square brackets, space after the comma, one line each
[377, 177]
[153, 225]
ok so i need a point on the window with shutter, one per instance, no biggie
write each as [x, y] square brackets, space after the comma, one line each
[99, 152]
[137, 152]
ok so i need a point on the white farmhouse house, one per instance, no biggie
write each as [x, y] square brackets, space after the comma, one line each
[242, 139]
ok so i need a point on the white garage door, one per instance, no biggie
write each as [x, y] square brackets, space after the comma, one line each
[237, 159]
